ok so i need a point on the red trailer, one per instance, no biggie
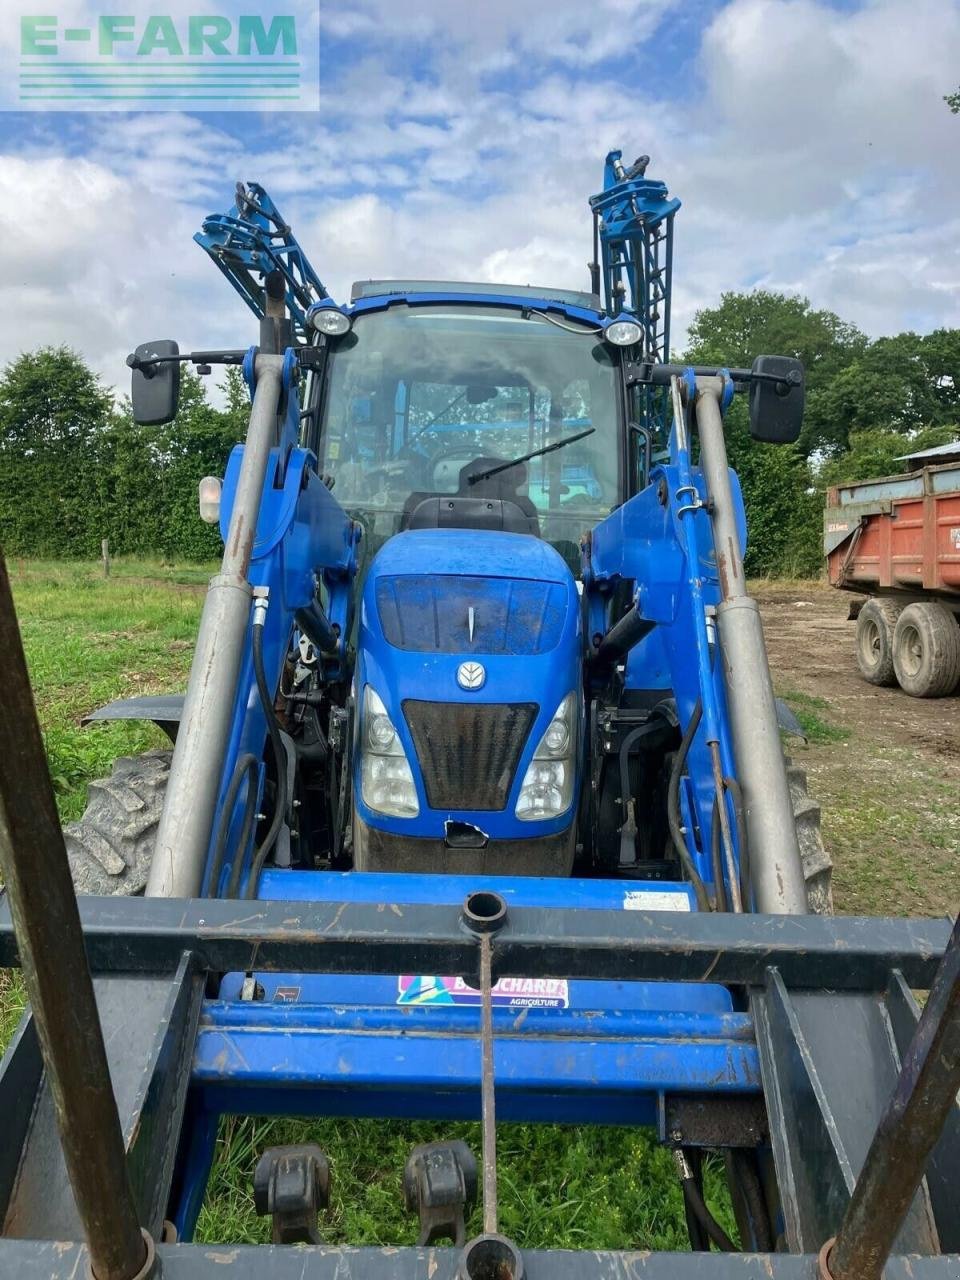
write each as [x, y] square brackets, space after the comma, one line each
[897, 540]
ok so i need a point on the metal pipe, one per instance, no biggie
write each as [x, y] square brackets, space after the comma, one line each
[483, 914]
[776, 867]
[486, 1088]
[623, 635]
[183, 835]
[46, 920]
[915, 1115]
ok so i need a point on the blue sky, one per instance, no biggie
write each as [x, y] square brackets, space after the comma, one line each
[808, 142]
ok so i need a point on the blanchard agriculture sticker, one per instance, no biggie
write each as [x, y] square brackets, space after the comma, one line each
[514, 993]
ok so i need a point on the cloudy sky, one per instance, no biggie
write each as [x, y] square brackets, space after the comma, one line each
[808, 141]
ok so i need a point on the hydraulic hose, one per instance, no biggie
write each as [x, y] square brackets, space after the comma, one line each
[739, 817]
[673, 809]
[247, 764]
[280, 760]
[731, 785]
[699, 1240]
[743, 1165]
[716, 861]
[694, 1201]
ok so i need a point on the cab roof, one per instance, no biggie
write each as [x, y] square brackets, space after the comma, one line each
[395, 288]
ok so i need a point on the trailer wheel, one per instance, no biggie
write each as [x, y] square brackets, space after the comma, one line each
[876, 623]
[110, 848]
[817, 863]
[926, 650]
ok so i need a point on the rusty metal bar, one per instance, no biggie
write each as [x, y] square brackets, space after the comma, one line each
[36, 874]
[484, 914]
[488, 1106]
[895, 1163]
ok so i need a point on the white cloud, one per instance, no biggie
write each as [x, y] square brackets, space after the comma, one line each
[810, 145]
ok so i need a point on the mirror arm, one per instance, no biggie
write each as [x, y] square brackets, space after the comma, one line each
[149, 367]
[660, 374]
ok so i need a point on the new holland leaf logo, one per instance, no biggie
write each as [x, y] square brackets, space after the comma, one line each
[470, 675]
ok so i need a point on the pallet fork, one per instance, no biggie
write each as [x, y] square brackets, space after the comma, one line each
[98, 1096]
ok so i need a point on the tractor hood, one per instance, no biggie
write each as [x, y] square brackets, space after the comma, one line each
[471, 640]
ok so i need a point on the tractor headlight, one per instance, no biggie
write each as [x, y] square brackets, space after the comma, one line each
[623, 333]
[547, 789]
[330, 320]
[386, 780]
[211, 488]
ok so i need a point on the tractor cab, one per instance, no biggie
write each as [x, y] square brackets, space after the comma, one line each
[446, 408]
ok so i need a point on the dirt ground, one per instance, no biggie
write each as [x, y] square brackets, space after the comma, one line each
[885, 767]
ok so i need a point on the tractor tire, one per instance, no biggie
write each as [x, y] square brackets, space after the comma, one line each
[926, 650]
[876, 622]
[111, 847]
[817, 863]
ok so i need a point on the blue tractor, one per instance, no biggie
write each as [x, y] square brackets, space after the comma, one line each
[481, 734]
[487, 611]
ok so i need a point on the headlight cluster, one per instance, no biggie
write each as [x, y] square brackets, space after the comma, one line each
[547, 789]
[386, 780]
[330, 320]
[623, 333]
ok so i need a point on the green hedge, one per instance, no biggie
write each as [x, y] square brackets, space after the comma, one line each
[74, 469]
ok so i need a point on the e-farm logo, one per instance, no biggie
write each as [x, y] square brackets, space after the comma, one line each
[251, 58]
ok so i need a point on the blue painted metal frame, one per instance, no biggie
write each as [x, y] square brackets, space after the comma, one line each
[635, 219]
[253, 239]
[337, 1045]
[644, 542]
[303, 540]
[583, 315]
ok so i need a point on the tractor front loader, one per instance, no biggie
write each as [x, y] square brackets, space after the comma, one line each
[477, 808]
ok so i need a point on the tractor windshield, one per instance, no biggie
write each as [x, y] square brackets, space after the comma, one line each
[417, 398]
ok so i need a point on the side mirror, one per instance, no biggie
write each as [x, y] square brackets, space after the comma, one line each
[776, 399]
[155, 388]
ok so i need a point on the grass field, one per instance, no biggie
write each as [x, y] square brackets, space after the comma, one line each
[89, 641]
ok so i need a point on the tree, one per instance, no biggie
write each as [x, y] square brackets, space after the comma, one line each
[778, 488]
[953, 102]
[899, 384]
[746, 325]
[877, 452]
[52, 412]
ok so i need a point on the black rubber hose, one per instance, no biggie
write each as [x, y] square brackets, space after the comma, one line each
[744, 1164]
[693, 1197]
[280, 760]
[699, 1242]
[246, 764]
[673, 808]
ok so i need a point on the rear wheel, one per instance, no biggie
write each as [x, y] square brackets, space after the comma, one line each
[817, 863]
[926, 650]
[111, 847]
[876, 623]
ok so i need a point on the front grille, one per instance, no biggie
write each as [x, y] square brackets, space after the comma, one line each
[468, 752]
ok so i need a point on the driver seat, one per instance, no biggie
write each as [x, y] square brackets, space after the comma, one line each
[458, 511]
[493, 503]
